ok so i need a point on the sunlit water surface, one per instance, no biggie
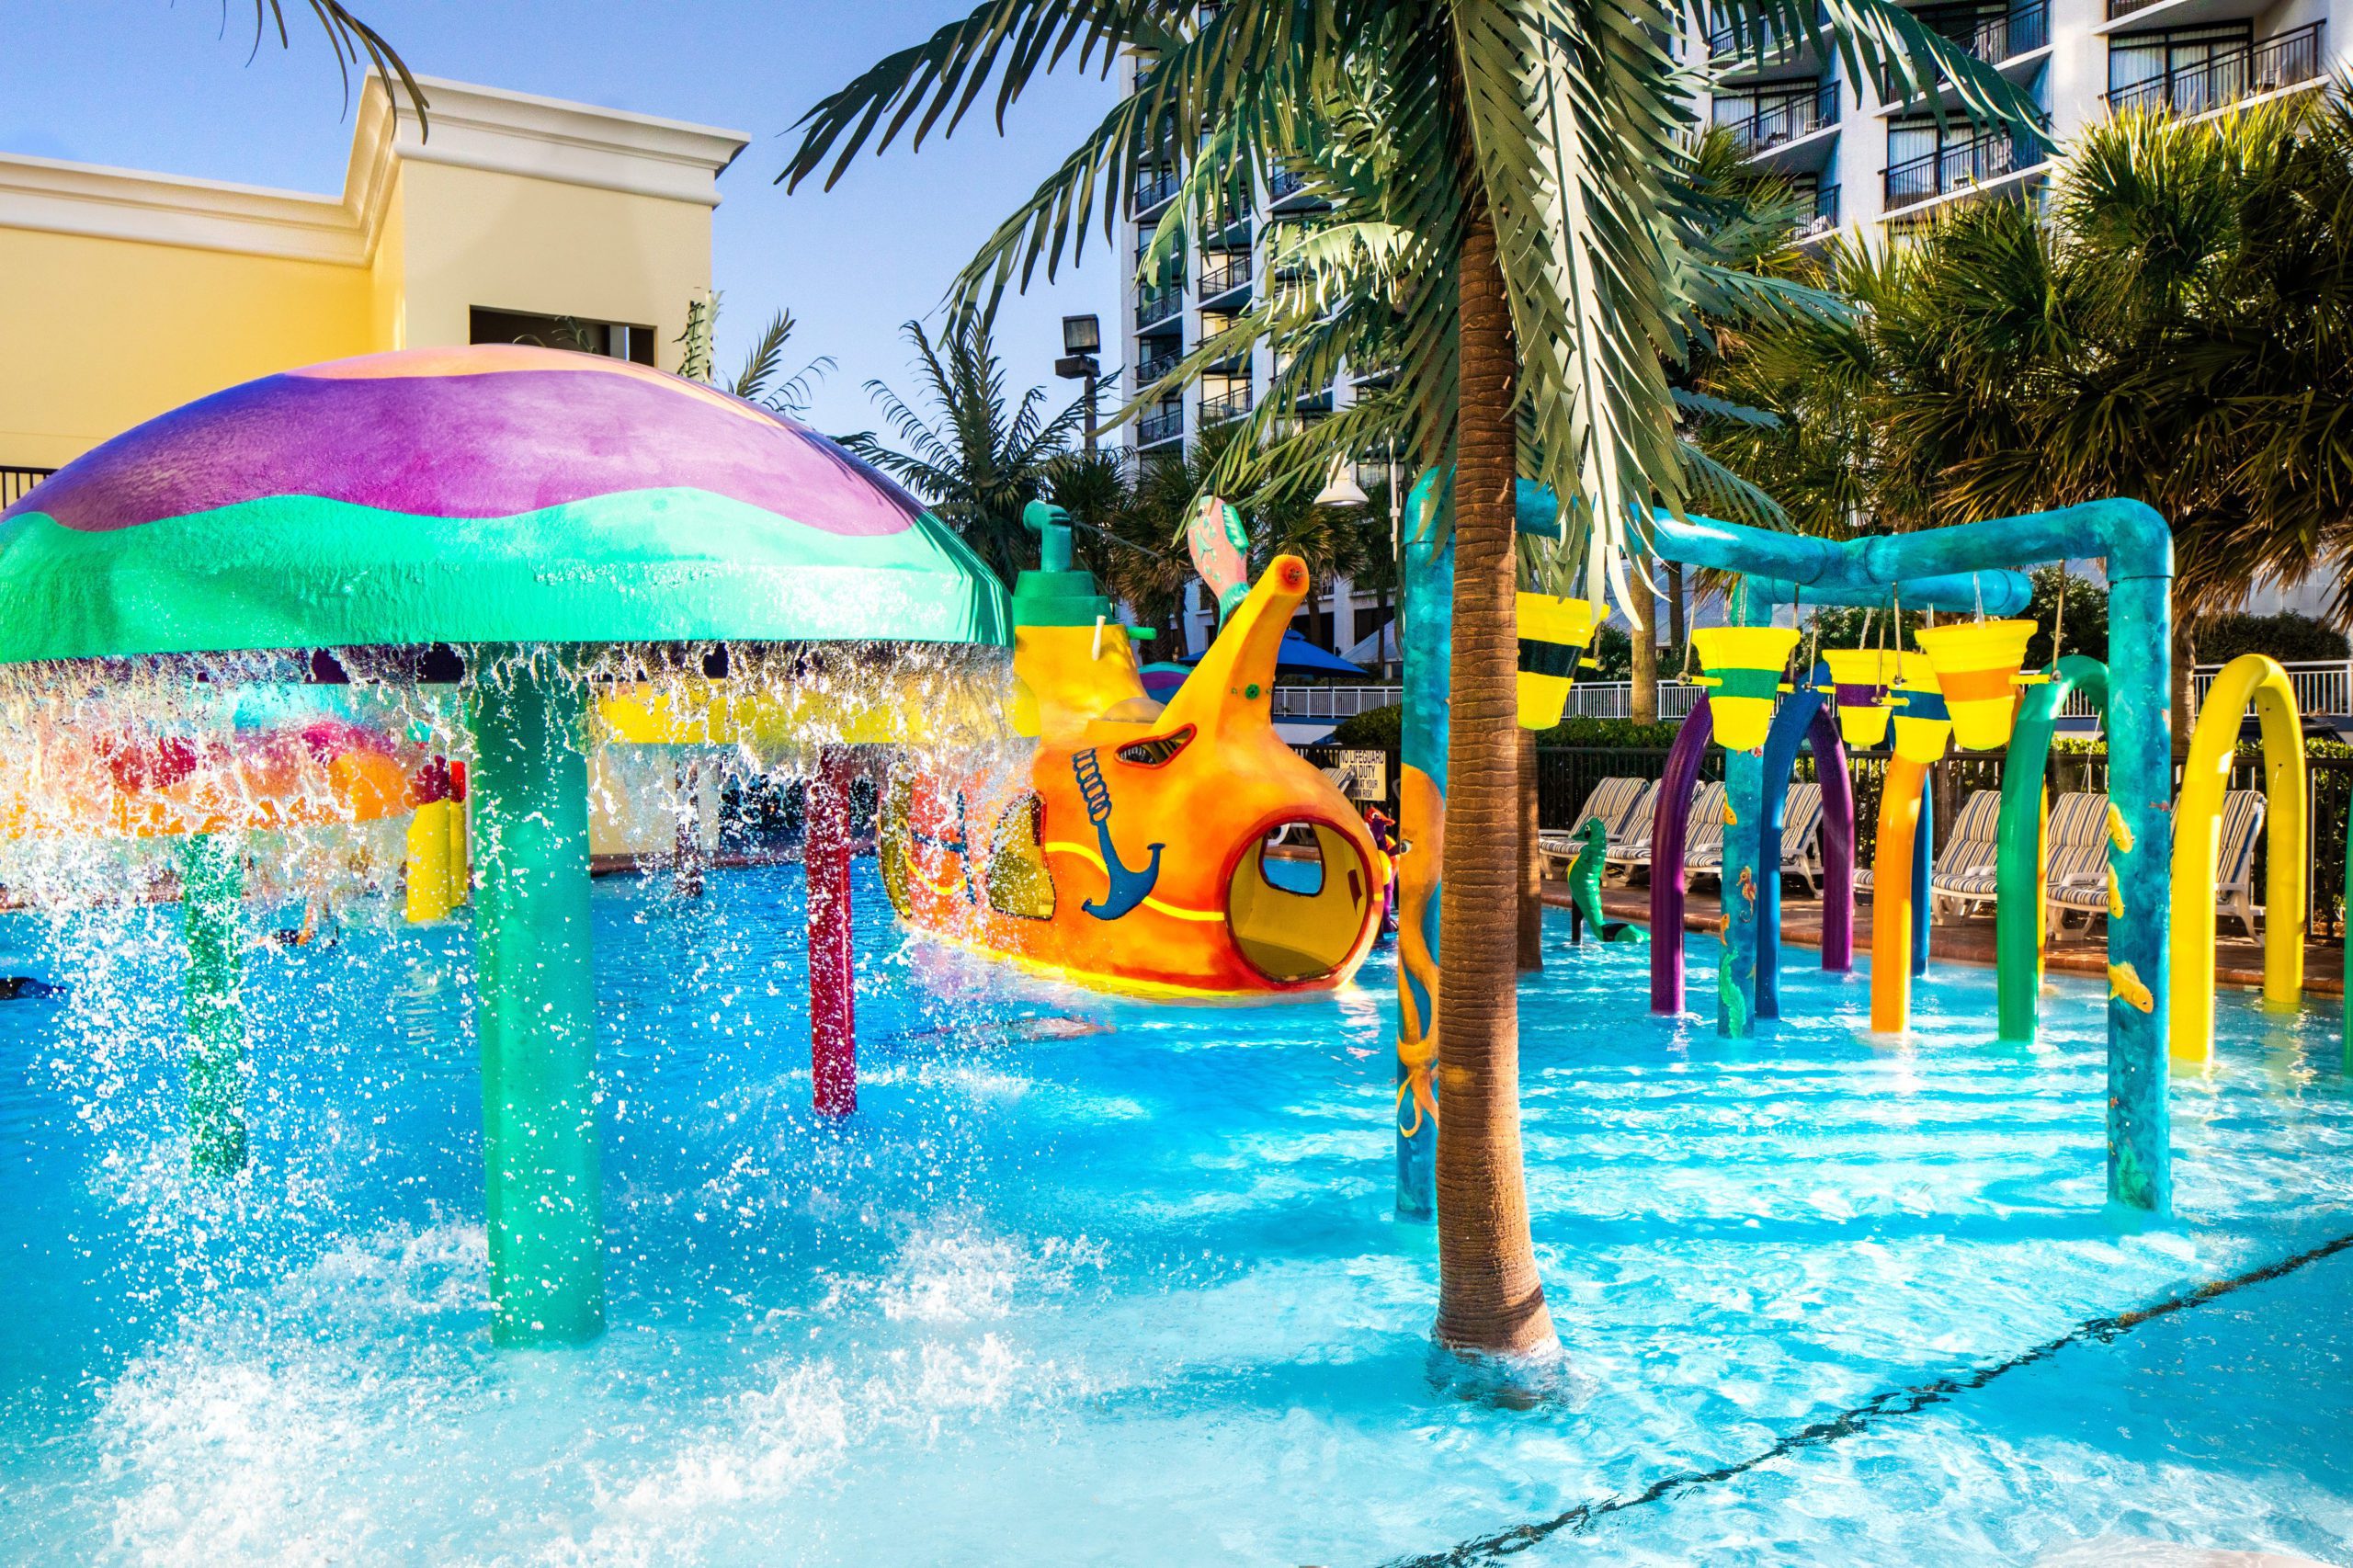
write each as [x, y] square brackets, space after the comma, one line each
[1097, 1282]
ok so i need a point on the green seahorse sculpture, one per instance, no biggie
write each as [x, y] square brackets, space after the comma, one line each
[1584, 889]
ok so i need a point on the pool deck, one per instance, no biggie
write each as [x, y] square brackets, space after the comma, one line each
[2238, 962]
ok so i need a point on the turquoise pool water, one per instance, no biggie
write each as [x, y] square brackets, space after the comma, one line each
[1093, 1282]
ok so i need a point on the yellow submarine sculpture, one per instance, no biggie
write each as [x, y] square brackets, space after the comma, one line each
[1176, 850]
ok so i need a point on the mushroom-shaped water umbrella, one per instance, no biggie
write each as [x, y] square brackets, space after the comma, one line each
[209, 786]
[529, 506]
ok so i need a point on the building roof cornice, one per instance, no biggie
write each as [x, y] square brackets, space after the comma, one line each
[468, 127]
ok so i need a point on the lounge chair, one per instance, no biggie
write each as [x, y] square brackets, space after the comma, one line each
[1801, 838]
[1613, 800]
[2074, 875]
[1964, 876]
[1703, 835]
[2243, 812]
[1630, 846]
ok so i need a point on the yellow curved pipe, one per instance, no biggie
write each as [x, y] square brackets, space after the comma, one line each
[2197, 835]
[1891, 912]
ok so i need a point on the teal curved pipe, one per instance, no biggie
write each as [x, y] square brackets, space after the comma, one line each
[2018, 857]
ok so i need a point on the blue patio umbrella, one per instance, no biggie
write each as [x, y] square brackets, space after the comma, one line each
[1298, 656]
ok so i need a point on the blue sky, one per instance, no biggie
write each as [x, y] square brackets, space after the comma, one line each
[153, 85]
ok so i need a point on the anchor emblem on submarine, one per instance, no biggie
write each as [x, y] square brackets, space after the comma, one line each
[1129, 887]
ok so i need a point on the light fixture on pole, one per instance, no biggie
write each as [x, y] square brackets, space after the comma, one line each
[1342, 489]
[1082, 340]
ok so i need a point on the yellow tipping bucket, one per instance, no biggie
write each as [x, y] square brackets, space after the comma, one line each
[1860, 683]
[1744, 665]
[1921, 724]
[1977, 666]
[1554, 635]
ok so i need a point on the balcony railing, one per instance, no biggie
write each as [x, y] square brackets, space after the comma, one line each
[1284, 183]
[1767, 40]
[1959, 166]
[1825, 213]
[17, 483]
[1159, 365]
[1992, 35]
[1225, 406]
[1166, 423]
[1223, 272]
[1155, 305]
[1152, 188]
[2243, 73]
[1773, 120]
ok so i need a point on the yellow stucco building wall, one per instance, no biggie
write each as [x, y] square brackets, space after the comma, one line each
[125, 294]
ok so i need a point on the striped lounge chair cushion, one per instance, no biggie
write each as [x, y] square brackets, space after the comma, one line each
[1703, 843]
[1965, 866]
[2077, 873]
[1801, 822]
[2241, 818]
[1611, 800]
[1632, 841]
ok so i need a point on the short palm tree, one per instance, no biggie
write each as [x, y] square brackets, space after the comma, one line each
[1515, 238]
[977, 461]
[762, 378]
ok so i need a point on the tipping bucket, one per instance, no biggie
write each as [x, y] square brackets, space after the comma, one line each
[1859, 682]
[1744, 665]
[1977, 667]
[1553, 636]
[1922, 721]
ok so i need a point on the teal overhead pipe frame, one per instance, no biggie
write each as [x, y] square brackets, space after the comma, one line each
[2138, 549]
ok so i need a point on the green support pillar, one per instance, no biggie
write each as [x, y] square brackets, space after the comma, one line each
[212, 896]
[536, 1012]
[2018, 884]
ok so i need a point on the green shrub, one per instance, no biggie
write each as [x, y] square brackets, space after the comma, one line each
[1579, 730]
[1375, 728]
[2287, 637]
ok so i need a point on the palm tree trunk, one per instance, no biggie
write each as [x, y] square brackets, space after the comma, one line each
[1490, 1300]
[1531, 860]
[2185, 666]
[1642, 704]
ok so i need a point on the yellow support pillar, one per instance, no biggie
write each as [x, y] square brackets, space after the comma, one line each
[2198, 827]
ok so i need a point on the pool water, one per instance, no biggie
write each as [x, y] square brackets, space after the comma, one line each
[1090, 1281]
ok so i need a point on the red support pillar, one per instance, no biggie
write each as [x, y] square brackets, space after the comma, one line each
[832, 1017]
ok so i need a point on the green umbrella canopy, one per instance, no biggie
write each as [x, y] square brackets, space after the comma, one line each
[486, 495]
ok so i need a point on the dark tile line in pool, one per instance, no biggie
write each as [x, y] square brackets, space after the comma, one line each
[1860, 1418]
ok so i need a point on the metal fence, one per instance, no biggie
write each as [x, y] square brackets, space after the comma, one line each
[17, 483]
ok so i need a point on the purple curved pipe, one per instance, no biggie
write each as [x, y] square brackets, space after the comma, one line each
[1838, 844]
[1670, 829]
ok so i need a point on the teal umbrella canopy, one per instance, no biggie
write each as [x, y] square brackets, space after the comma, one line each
[497, 493]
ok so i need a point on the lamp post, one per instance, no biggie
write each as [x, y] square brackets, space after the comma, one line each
[1082, 340]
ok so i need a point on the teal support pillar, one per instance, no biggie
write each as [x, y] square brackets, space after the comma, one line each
[1745, 793]
[536, 1013]
[2139, 856]
[1426, 643]
[212, 896]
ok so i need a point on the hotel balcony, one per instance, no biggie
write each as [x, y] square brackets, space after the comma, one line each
[1156, 305]
[2249, 71]
[1824, 217]
[1153, 189]
[1785, 131]
[1160, 426]
[1225, 280]
[1960, 166]
[1226, 405]
[1159, 365]
[1765, 48]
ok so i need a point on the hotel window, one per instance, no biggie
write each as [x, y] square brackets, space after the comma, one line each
[613, 340]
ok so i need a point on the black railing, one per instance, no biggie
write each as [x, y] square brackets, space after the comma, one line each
[1992, 34]
[1153, 305]
[1152, 188]
[1225, 406]
[1283, 183]
[1159, 365]
[1223, 272]
[2243, 72]
[1784, 117]
[1314, 403]
[1164, 424]
[1959, 166]
[16, 483]
[1765, 40]
[1825, 213]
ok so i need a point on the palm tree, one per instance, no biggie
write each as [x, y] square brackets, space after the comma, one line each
[761, 380]
[977, 464]
[2175, 331]
[1511, 229]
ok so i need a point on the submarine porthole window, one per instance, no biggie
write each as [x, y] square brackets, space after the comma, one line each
[1298, 902]
[1018, 881]
[1156, 750]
